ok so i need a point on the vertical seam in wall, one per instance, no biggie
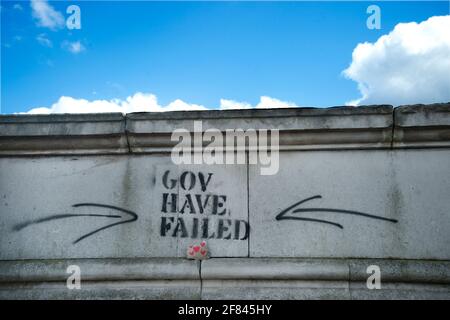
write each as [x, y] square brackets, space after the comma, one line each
[393, 128]
[349, 280]
[248, 204]
[126, 134]
[201, 280]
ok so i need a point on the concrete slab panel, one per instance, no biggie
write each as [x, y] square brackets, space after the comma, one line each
[61, 207]
[275, 290]
[371, 204]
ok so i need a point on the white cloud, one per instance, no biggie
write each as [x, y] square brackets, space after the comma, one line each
[409, 65]
[231, 104]
[145, 102]
[139, 102]
[268, 102]
[265, 102]
[46, 15]
[73, 47]
[43, 40]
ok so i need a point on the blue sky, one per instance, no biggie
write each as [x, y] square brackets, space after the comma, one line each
[199, 52]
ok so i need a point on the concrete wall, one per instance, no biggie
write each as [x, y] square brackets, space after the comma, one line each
[356, 187]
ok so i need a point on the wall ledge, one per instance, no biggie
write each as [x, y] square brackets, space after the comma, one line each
[422, 125]
[323, 269]
[365, 127]
[99, 269]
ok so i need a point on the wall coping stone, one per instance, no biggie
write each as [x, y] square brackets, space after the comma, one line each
[335, 128]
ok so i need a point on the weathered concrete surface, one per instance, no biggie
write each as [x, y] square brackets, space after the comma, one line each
[410, 186]
[402, 271]
[160, 278]
[300, 128]
[323, 279]
[420, 125]
[130, 183]
[110, 290]
[63, 134]
[275, 290]
[274, 269]
[99, 269]
[400, 291]
[381, 174]
[273, 278]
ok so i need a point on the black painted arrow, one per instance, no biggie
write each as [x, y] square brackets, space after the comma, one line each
[282, 214]
[133, 217]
